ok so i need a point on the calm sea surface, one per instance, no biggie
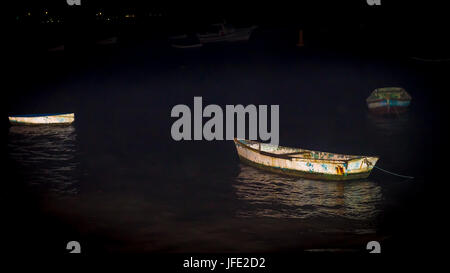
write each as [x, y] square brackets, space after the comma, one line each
[117, 182]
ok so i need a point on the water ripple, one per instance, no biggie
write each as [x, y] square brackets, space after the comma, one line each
[272, 195]
[45, 156]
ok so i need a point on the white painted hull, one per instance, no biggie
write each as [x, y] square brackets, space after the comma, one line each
[305, 163]
[42, 119]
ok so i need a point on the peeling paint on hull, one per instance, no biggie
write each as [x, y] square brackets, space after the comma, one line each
[42, 119]
[304, 163]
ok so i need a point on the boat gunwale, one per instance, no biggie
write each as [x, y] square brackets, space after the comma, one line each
[382, 90]
[378, 100]
[39, 115]
[390, 89]
[334, 161]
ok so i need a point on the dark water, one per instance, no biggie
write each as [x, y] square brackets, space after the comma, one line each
[269, 195]
[47, 156]
[116, 181]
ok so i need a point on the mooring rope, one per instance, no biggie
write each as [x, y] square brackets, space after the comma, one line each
[396, 174]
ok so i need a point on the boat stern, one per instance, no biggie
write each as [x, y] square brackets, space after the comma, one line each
[361, 165]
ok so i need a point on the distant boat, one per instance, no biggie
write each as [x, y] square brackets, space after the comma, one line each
[108, 41]
[304, 163]
[36, 119]
[225, 33]
[388, 100]
[185, 41]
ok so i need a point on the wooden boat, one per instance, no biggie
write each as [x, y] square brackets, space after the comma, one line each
[223, 32]
[304, 163]
[388, 100]
[36, 119]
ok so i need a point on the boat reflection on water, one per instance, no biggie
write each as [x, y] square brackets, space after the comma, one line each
[388, 125]
[45, 156]
[272, 195]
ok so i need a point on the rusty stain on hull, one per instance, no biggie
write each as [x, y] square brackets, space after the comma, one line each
[304, 163]
[339, 170]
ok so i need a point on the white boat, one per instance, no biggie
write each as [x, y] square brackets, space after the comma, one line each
[36, 119]
[225, 33]
[304, 163]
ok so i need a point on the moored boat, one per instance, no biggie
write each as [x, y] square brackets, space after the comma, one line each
[36, 119]
[388, 100]
[223, 32]
[304, 163]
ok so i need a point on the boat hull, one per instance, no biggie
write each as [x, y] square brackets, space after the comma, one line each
[336, 168]
[388, 100]
[42, 119]
[388, 106]
[303, 174]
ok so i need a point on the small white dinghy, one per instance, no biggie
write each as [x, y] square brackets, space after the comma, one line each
[36, 119]
[304, 163]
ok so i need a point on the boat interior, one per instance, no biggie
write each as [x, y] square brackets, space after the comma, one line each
[41, 115]
[389, 93]
[289, 153]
